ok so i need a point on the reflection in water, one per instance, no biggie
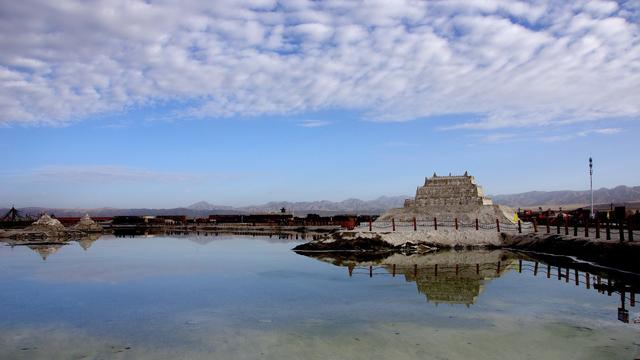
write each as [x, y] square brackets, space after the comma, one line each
[245, 298]
[88, 240]
[45, 250]
[459, 277]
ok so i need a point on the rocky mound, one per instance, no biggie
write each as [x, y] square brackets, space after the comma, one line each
[87, 224]
[48, 225]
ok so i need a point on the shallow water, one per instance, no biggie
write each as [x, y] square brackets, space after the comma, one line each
[233, 297]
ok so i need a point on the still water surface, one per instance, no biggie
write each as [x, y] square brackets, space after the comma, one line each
[234, 297]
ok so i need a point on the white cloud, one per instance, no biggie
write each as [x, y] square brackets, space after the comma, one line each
[498, 137]
[515, 63]
[314, 123]
[584, 133]
[604, 131]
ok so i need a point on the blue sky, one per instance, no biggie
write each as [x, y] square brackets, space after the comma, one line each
[244, 102]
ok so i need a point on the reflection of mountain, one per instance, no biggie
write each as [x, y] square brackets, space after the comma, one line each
[454, 277]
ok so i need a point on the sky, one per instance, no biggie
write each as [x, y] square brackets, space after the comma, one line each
[166, 103]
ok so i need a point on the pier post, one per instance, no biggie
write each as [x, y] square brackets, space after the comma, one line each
[587, 280]
[520, 266]
[632, 300]
[457, 269]
[548, 271]
[535, 269]
[456, 220]
[586, 229]
[630, 225]
[559, 273]
[498, 224]
[597, 229]
[435, 270]
[369, 224]
[548, 228]
[477, 268]
[435, 224]
[477, 227]
[519, 227]
[498, 268]
[575, 228]
[558, 228]
[393, 224]
[577, 278]
[608, 230]
[370, 271]
[621, 229]
[415, 225]
[415, 270]
[393, 273]
[566, 274]
[566, 226]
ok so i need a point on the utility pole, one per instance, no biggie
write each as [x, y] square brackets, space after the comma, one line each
[591, 183]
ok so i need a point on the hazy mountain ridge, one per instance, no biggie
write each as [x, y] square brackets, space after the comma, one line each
[618, 194]
[326, 207]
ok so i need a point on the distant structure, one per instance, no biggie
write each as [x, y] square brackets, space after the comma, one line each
[591, 185]
[12, 215]
[448, 198]
[453, 192]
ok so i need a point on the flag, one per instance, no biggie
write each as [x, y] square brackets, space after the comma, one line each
[515, 217]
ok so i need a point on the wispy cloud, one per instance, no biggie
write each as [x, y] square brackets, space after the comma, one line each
[605, 131]
[400, 144]
[314, 123]
[498, 137]
[103, 174]
[584, 133]
[107, 174]
[515, 63]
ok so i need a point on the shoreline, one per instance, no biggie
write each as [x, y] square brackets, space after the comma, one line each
[621, 255]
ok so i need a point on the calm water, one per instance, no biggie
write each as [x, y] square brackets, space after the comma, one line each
[237, 297]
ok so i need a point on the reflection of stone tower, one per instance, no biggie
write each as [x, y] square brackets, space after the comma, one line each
[446, 285]
[45, 250]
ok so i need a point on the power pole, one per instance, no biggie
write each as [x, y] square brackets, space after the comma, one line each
[591, 183]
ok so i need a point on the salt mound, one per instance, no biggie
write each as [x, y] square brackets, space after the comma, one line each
[87, 224]
[46, 222]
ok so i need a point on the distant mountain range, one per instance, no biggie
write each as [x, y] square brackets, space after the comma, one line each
[619, 194]
[203, 208]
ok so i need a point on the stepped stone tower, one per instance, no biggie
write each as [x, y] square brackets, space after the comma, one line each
[448, 198]
[453, 192]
